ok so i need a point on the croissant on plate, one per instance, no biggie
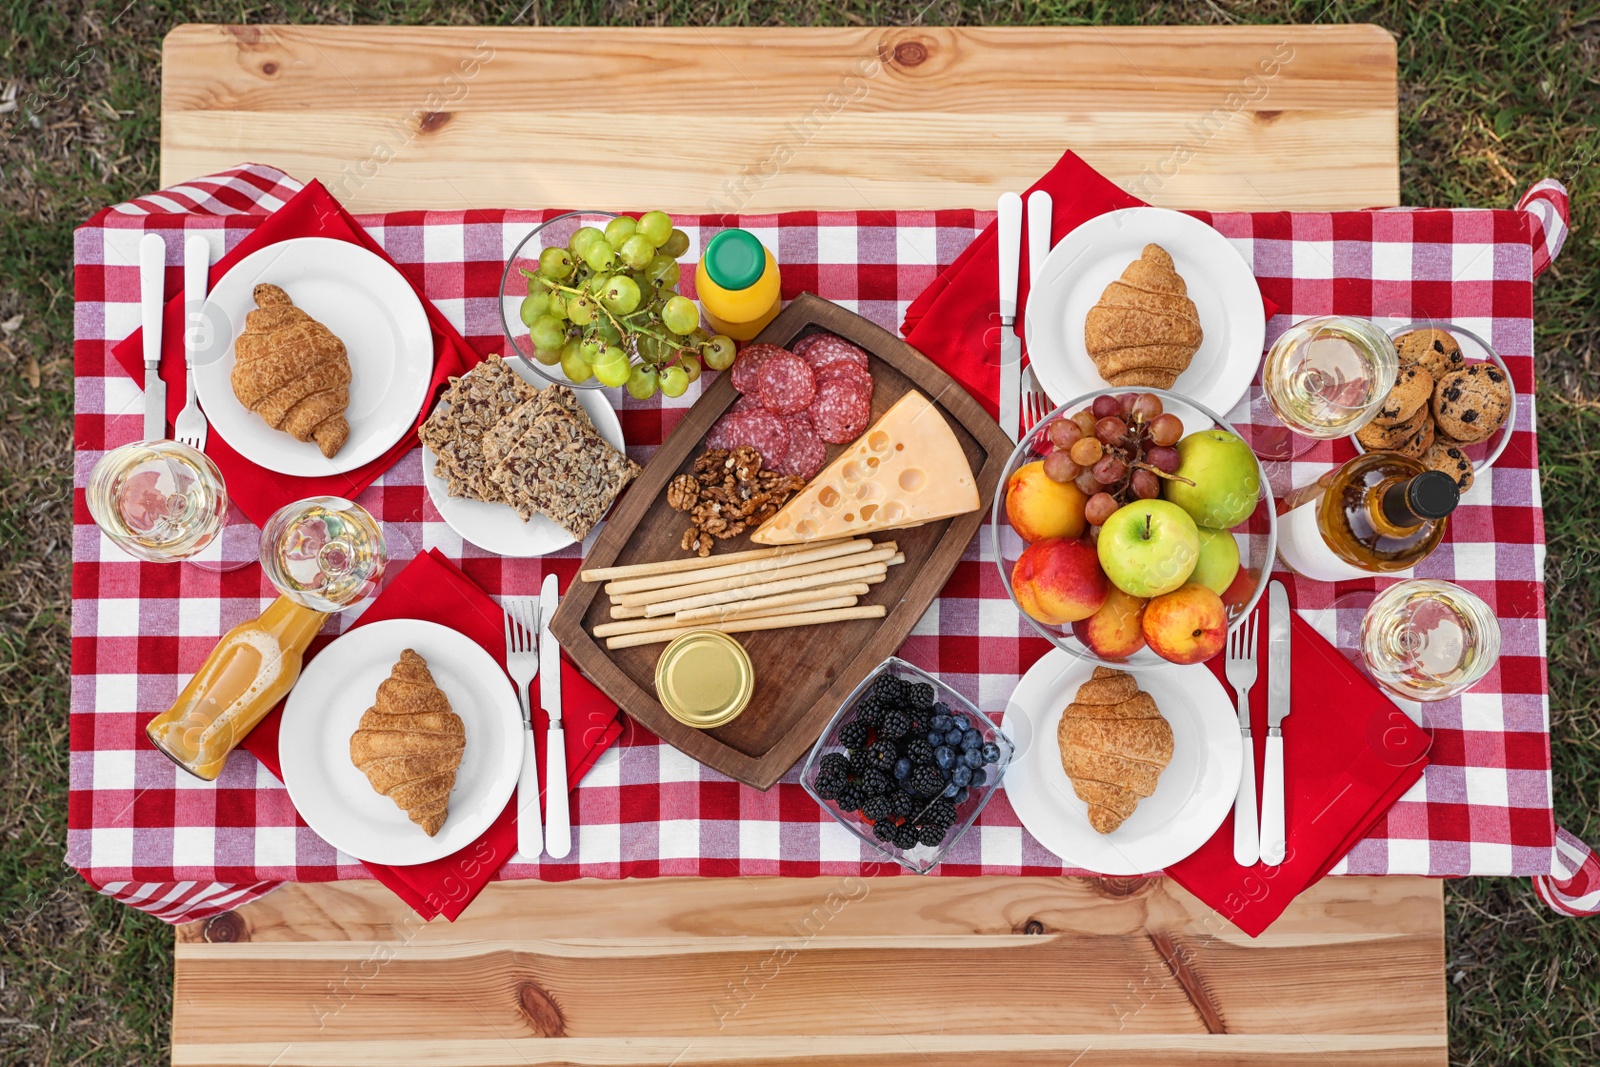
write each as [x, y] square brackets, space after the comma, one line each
[1144, 330]
[1114, 745]
[292, 371]
[409, 743]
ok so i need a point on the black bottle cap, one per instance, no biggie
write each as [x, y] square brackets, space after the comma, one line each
[1432, 495]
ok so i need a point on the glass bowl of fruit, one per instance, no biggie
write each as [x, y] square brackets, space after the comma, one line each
[906, 764]
[1134, 529]
[590, 299]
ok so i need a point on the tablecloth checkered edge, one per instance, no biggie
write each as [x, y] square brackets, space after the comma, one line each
[646, 809]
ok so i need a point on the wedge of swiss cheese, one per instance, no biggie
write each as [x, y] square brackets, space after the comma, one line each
[907, 469]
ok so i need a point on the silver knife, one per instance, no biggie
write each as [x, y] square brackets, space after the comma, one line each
[557, 818]
[152, 287]
[1010, 344]
[1274, 842]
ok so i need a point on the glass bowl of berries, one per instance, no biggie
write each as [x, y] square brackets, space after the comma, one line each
[1134, 529]
[906, 764]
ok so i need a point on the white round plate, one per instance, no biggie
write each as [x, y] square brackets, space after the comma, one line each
[368, 305]
[326, 705]
[496, 527]
[1192, 797]
[1091, 257]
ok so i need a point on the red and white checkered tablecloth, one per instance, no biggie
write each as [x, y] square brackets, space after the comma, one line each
[148, 834]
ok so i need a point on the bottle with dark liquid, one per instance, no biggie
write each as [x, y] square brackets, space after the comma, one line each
[1380, 512]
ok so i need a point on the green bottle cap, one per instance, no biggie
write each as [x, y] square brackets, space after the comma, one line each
[735, 259]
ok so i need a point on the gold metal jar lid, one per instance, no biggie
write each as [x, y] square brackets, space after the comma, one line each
[704, 678]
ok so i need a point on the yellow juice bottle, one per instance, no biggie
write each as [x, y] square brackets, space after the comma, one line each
[738, 284]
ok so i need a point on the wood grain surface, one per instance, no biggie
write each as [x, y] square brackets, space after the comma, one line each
[766, 119]
[802, 674]
[887, 971]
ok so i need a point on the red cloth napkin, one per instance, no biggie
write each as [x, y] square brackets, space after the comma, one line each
[433, 589]
[956, 320]
[1348, 755]
[313, 212]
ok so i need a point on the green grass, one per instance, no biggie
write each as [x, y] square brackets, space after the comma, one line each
[1493, 97]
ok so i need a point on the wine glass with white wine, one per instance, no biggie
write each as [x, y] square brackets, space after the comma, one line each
[158, 500]
[1325, 377]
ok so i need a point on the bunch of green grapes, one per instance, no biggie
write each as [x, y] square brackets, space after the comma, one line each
[607, 306]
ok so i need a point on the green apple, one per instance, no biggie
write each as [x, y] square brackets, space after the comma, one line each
[1148, 547]
[1226, 477]
[1219, 560]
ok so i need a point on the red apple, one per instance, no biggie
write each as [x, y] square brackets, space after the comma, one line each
[1187, 625]
[1240, 590]
[1058, 581]
[1116, 630]
[1039, 507]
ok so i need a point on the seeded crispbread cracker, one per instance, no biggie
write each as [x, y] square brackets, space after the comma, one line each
[474, 403]
[552, 461]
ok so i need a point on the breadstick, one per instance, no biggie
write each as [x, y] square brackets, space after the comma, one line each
[665, 622]
[782, 601]
[786, 585]
[740, 626]
[692, 563]
[733, 570]
[620, 612]
[743, 581]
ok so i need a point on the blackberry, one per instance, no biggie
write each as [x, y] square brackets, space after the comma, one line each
[895, 724]
[920, 695]
[927, 781]
[941, 811]
[873, 782]
[881, 755]
[931, 835]
[919, 751]
[904, 804]
[834, 763]
[887, 686]
[858, 764]
[875, 808]
[885, 830]
[870, 709]
[850, 798]
[828, 786]
[853, 734]
[906, 837]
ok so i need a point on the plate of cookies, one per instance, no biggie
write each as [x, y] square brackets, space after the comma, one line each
[1452, 405]
[521, 470]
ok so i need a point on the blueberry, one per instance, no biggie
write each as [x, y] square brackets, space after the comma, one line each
[961, 795]
[958, 721]
[978, 777]
[942, 723]
[945, 757]
[941, 708]
[962, 775]
[902, 768]
[972, 758]
[935, 738]
[950, 790]
[991, 753]
[971, 739]
[953, 737]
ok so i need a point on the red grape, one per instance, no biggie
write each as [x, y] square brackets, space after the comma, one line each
[1111, 431]
[1126, 401]
[1085, 421]
[1064, 433]
[1166, 429]
[1100, 507]
[1087, 482]
[1110, 470]
[1058, 466]
[1145, 486]
[1163, 459]
[1086, 451]
[1106, 406]
[1147, 406]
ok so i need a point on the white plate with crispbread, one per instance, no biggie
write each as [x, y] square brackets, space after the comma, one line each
[1193, 795]
[496, 527]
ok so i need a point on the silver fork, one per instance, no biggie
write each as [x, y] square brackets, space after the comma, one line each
[190, 426]
[1241, 671]
[1035, 404]
[522, 663]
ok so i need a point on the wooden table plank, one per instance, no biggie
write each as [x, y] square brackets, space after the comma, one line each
[709, 970]
[769, 119]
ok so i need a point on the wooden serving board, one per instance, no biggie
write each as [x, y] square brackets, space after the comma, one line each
[807, 972]
[802, 673]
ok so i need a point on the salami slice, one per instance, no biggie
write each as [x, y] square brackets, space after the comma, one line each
[841, 411]
[761, 430]
[745, 402]
[786, 384]
[807, 454]
[747, 366]
[832, 349]
[805, 344]
[847, 369]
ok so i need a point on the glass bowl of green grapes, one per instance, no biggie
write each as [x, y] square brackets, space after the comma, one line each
[590, 299]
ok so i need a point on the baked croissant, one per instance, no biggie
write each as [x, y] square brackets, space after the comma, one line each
[1144, 330]
[409, 743]
[1114, 745]
[292, 371]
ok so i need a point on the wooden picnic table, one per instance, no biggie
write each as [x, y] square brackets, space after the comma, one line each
[802, 971]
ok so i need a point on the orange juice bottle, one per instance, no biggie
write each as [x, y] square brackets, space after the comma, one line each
[254, 665]
[737, 282]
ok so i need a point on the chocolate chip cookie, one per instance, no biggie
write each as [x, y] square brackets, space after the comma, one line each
[1473, 402]
[1446, 455]
[1375, 438]
[1433, 349]
[1413, 387]
[1416, 446]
